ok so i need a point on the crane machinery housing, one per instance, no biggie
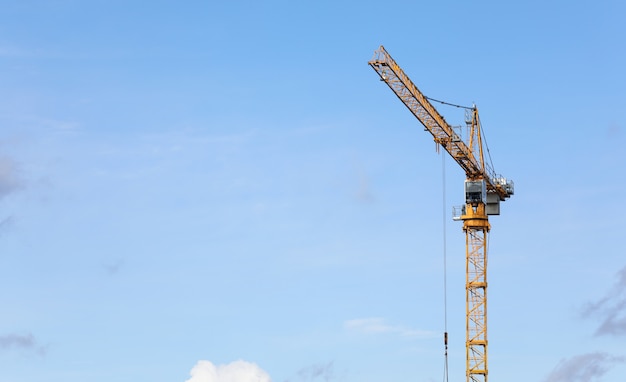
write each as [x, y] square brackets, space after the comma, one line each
[484, 190]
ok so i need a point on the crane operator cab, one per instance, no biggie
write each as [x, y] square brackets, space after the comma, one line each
[475, 192]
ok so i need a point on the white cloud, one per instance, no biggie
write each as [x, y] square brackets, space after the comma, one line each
[238, 371]
[378, 325]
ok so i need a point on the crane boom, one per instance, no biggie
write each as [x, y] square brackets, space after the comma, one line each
[483, 192]
[391, 73]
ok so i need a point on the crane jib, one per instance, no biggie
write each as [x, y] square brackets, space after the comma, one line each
[464, 154]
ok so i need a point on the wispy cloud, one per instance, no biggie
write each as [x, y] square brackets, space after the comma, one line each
[583, 368]
[614, 131]
[9, 177]
[6, 224]
[238, 371]
[364, 192]
[55, 125]
[611, 308]
[319, 371]
[113, 267]
[377, 325]
[21, 342]
[12, 51]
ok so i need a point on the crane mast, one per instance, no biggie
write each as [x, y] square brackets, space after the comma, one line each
[483, 192]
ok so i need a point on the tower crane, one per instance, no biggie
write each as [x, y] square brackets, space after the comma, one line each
[484, 190]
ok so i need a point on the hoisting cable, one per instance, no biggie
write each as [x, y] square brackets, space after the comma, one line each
[445, 278]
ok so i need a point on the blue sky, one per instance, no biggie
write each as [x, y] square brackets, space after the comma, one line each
[225, 192]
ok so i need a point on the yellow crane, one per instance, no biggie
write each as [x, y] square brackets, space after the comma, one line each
[484, 190]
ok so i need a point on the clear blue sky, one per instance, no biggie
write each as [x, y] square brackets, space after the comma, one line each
[228, 184]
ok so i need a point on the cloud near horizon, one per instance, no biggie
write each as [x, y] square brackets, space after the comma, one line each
[237, 371]
[583, 368]
[379, 325]
[317, 371]
[9, 179]
[22, 342]
[611, 309]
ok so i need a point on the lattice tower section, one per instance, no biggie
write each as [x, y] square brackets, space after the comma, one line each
[476, 302]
